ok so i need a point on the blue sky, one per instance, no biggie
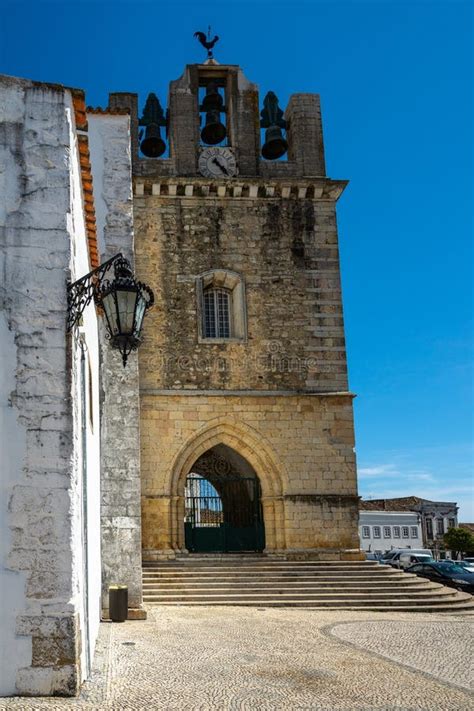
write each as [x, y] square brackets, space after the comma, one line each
[395, 80]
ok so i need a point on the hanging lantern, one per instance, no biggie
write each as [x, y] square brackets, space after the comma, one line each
[124, 301]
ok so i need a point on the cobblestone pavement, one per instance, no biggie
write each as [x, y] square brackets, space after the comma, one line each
[233, 659]
[444, 651]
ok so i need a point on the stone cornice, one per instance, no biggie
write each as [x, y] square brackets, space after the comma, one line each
[245, 188]
[243, 393]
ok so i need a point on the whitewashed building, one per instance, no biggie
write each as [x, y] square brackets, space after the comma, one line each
[59, 543]
[436, 517]
[380, 531]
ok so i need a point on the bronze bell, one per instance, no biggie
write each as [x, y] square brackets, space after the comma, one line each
[213, 101]
[152, 145]
[214, 131]
[153, 117]
[275, 145]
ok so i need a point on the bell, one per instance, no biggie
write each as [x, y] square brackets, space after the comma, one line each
[214, 131]
[213, 100]
[275, 145]
[152, 145]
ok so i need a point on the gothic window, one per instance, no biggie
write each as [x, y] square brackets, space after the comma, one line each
[221, 306]
[439, 526]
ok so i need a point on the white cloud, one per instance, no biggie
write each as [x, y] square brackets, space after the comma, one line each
[379, 470]
[441, 473]
[392, 471]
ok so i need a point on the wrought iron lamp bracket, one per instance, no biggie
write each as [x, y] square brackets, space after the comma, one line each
[81, 292]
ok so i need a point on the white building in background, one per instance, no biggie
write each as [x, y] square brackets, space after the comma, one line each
[436, 517]
[380, 531]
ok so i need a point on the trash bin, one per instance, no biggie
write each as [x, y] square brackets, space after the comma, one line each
[118, 603]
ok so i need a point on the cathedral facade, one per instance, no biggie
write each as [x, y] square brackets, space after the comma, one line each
[232, 431]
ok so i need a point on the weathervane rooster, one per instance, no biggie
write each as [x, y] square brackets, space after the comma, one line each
[206, 42]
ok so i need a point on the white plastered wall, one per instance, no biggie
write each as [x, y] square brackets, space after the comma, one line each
[42, 238]
[15, 651]
[85, 398]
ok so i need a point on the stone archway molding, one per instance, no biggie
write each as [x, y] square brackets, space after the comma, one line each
[251, 445]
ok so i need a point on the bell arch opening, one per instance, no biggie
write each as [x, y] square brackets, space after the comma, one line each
[223, 504]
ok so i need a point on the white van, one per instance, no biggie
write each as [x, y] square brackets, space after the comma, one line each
[405, 557]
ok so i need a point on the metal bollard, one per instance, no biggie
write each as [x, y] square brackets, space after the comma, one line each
[118, 603]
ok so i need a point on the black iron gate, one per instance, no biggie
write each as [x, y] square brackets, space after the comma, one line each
[224, 515]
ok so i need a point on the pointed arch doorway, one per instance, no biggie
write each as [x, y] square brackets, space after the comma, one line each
[223, 507]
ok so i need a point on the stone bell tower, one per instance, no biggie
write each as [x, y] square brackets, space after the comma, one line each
[243, 374]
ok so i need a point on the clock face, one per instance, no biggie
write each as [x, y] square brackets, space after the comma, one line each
[217, 163]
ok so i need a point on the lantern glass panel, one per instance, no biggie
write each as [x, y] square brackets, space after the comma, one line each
[110, 308]
[126, 300]
[140, 313]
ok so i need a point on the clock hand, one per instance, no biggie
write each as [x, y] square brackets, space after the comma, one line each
[220, 165]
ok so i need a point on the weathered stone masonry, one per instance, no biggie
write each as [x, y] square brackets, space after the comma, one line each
[300, 447]
[120, 418]
[287, 253]
[282, 388]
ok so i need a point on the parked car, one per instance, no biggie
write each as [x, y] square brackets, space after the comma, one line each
[469, 567]
[391, 555]
[385, 557]
[468, 560]
[404, 557]
[450, 574]
[372, 556]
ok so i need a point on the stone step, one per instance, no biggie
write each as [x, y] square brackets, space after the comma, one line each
[465, 609]
[255, 559]
[260, 571]
[260, 582]
[268, 564]
[166, 583]
[297, 593]
[375, 603]
[247, 560]
[290, 594]
[290, 575]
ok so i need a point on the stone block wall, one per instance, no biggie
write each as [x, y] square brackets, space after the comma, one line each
[287, 254]
[120, 432]
[300, 446]
[276, 391]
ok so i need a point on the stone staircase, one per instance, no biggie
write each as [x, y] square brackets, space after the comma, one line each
[259, 581]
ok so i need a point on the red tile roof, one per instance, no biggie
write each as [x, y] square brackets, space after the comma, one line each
[80, 116]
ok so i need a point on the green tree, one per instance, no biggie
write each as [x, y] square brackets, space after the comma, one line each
[459, 540]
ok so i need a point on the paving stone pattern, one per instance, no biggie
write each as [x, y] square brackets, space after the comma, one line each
[442, 650]
[267, 659]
